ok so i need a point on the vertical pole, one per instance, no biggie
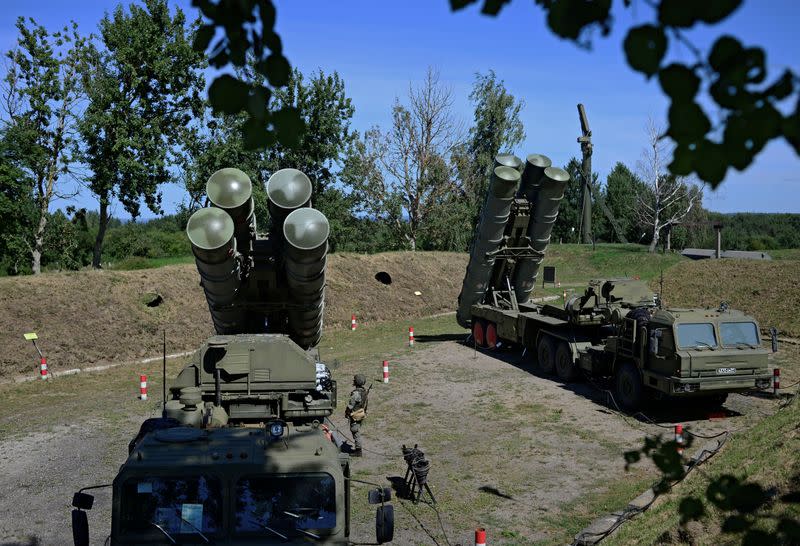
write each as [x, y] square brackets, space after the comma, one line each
[385, 371]
[718, 251]
[776, 382]
[480, 536]
[410, 336]
[43, 368]
[352, 323]
[585, 141]
[679, 438]
[143, 387]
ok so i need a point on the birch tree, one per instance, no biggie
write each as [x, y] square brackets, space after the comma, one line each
[399, 174]
[664, 199]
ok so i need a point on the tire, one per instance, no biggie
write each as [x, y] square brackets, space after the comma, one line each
[491, 335]
[479, 332]
[628, 387]
[564, 363]
[545, 354]
[384, 524]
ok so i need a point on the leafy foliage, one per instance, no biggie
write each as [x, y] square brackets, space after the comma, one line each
[143, 91]
[735, 76]
[247, 29]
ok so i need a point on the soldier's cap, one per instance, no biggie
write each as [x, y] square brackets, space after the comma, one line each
[359, 380]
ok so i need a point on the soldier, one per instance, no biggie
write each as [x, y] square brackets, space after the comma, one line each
[357, 410]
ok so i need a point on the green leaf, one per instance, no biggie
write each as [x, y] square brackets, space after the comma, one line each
[724, 52]
[711, 163]
[735, 524]
[256, 136]
[203, 37]
[682, 159]
[691, 508]
[687, 121]
[228, 94]
[790, 127]
[276, 68]
[782, 87]
[289, 126]
[456, 5]
[714, 11]
[257, 102]
[493, 7]
[677, 13]
[679, 81]
[645, 47]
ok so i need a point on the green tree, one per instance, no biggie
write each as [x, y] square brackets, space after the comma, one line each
[622, 187]
[17, 207]
[41, 102]
[399, 174]
[143, 91]
[570, 213]
[496, 127]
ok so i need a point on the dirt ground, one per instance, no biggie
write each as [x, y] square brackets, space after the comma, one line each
[97, 317]
[519, 454]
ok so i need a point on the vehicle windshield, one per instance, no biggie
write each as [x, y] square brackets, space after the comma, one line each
[737, 333]
[268, 503]
[188, 508]
[693, 335]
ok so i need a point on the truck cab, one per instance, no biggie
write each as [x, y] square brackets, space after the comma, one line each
[690, 352]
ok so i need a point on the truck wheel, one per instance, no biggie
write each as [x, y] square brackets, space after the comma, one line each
[491, 335]
[479, 332]
[565, 364]
[629, 389]
[544, 354]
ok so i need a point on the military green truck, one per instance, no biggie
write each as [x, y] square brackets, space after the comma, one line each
[616, 328]
[241, 453]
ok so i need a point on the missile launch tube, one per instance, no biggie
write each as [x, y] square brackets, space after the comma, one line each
[211, 232]
[535, 164]
[494, 217]
[288, 190]
[231, 190]
[306, 231]
[548, 195]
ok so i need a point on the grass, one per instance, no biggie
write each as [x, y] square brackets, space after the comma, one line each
[136, 262]
[766, 454]
[579, 263]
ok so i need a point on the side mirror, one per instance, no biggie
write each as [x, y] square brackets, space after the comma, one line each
[384, 524]
[773, 334]
[80, 527]
[655, 335]
[379, 496]
[82, 501]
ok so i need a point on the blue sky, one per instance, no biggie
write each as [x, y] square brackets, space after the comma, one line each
[380, 47]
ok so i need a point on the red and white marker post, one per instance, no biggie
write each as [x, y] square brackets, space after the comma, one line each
[352, 323]
[679, 438]
[385, 371]
[142, 387]
[480, 536]
[410, 336]
[776, 382]
[43, 373]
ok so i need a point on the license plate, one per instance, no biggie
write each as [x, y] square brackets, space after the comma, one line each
[726, 370]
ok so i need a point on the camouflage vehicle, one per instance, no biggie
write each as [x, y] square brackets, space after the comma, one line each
[241, 454]
[616, 328]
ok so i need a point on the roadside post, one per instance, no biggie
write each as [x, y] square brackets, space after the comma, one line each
[43, 373]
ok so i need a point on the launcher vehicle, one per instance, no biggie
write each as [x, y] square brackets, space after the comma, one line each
[241, 454]
[617, 328]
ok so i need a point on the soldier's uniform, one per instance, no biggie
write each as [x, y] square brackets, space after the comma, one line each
[358, 401]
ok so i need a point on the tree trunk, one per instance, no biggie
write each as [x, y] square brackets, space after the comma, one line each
[38, 244]
[654, 242]
[101, 233]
